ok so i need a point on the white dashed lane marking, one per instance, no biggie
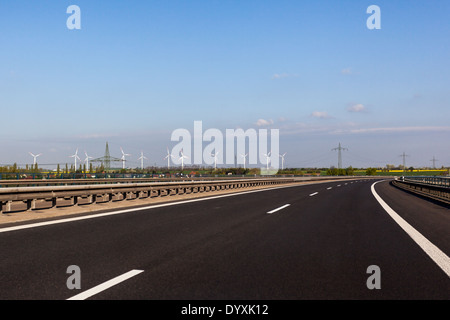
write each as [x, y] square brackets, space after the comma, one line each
[278, 209]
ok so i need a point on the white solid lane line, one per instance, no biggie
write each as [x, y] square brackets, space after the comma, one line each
[278, 209]
[313, 194]
[439, 257]
[106, 285]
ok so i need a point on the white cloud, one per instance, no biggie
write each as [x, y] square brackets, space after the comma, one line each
[394, 130]
[283, 75]
[264, 123]
[347, 71]
[97, 135]
[295, 128]
[356, 108]
[320, 115]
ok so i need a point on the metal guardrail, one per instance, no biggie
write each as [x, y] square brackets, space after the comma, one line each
[89, 181]
[436, 188]
[436, 181]
[90, 194]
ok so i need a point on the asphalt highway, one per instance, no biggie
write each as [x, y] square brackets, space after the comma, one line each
[315, 241]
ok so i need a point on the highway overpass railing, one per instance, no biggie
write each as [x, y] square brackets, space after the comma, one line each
[436, 188]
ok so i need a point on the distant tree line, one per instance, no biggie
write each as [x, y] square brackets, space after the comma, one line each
[341, 172]
[189, 170]
[371, 171]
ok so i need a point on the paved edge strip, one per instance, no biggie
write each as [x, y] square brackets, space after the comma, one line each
[105, 285]
[436, 254]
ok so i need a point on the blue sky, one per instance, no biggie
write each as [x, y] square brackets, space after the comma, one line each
[138, 70]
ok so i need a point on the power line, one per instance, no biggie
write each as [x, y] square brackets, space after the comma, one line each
[364, 159]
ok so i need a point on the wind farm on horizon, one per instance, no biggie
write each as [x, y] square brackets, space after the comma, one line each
[176, 163]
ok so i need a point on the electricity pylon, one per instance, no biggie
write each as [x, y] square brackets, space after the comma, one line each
[340, 149]
[434, 162]
[404, 159]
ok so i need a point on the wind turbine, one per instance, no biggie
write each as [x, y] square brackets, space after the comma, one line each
[169, 155]
[282, 160]
[75, 156]
[123, 157]
[86, 160]
[142, 157]
[215, 159]
[35, 157]
[182, 157]
[245, 158]
[268, 159]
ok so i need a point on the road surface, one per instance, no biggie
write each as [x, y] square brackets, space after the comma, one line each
[317, 241]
